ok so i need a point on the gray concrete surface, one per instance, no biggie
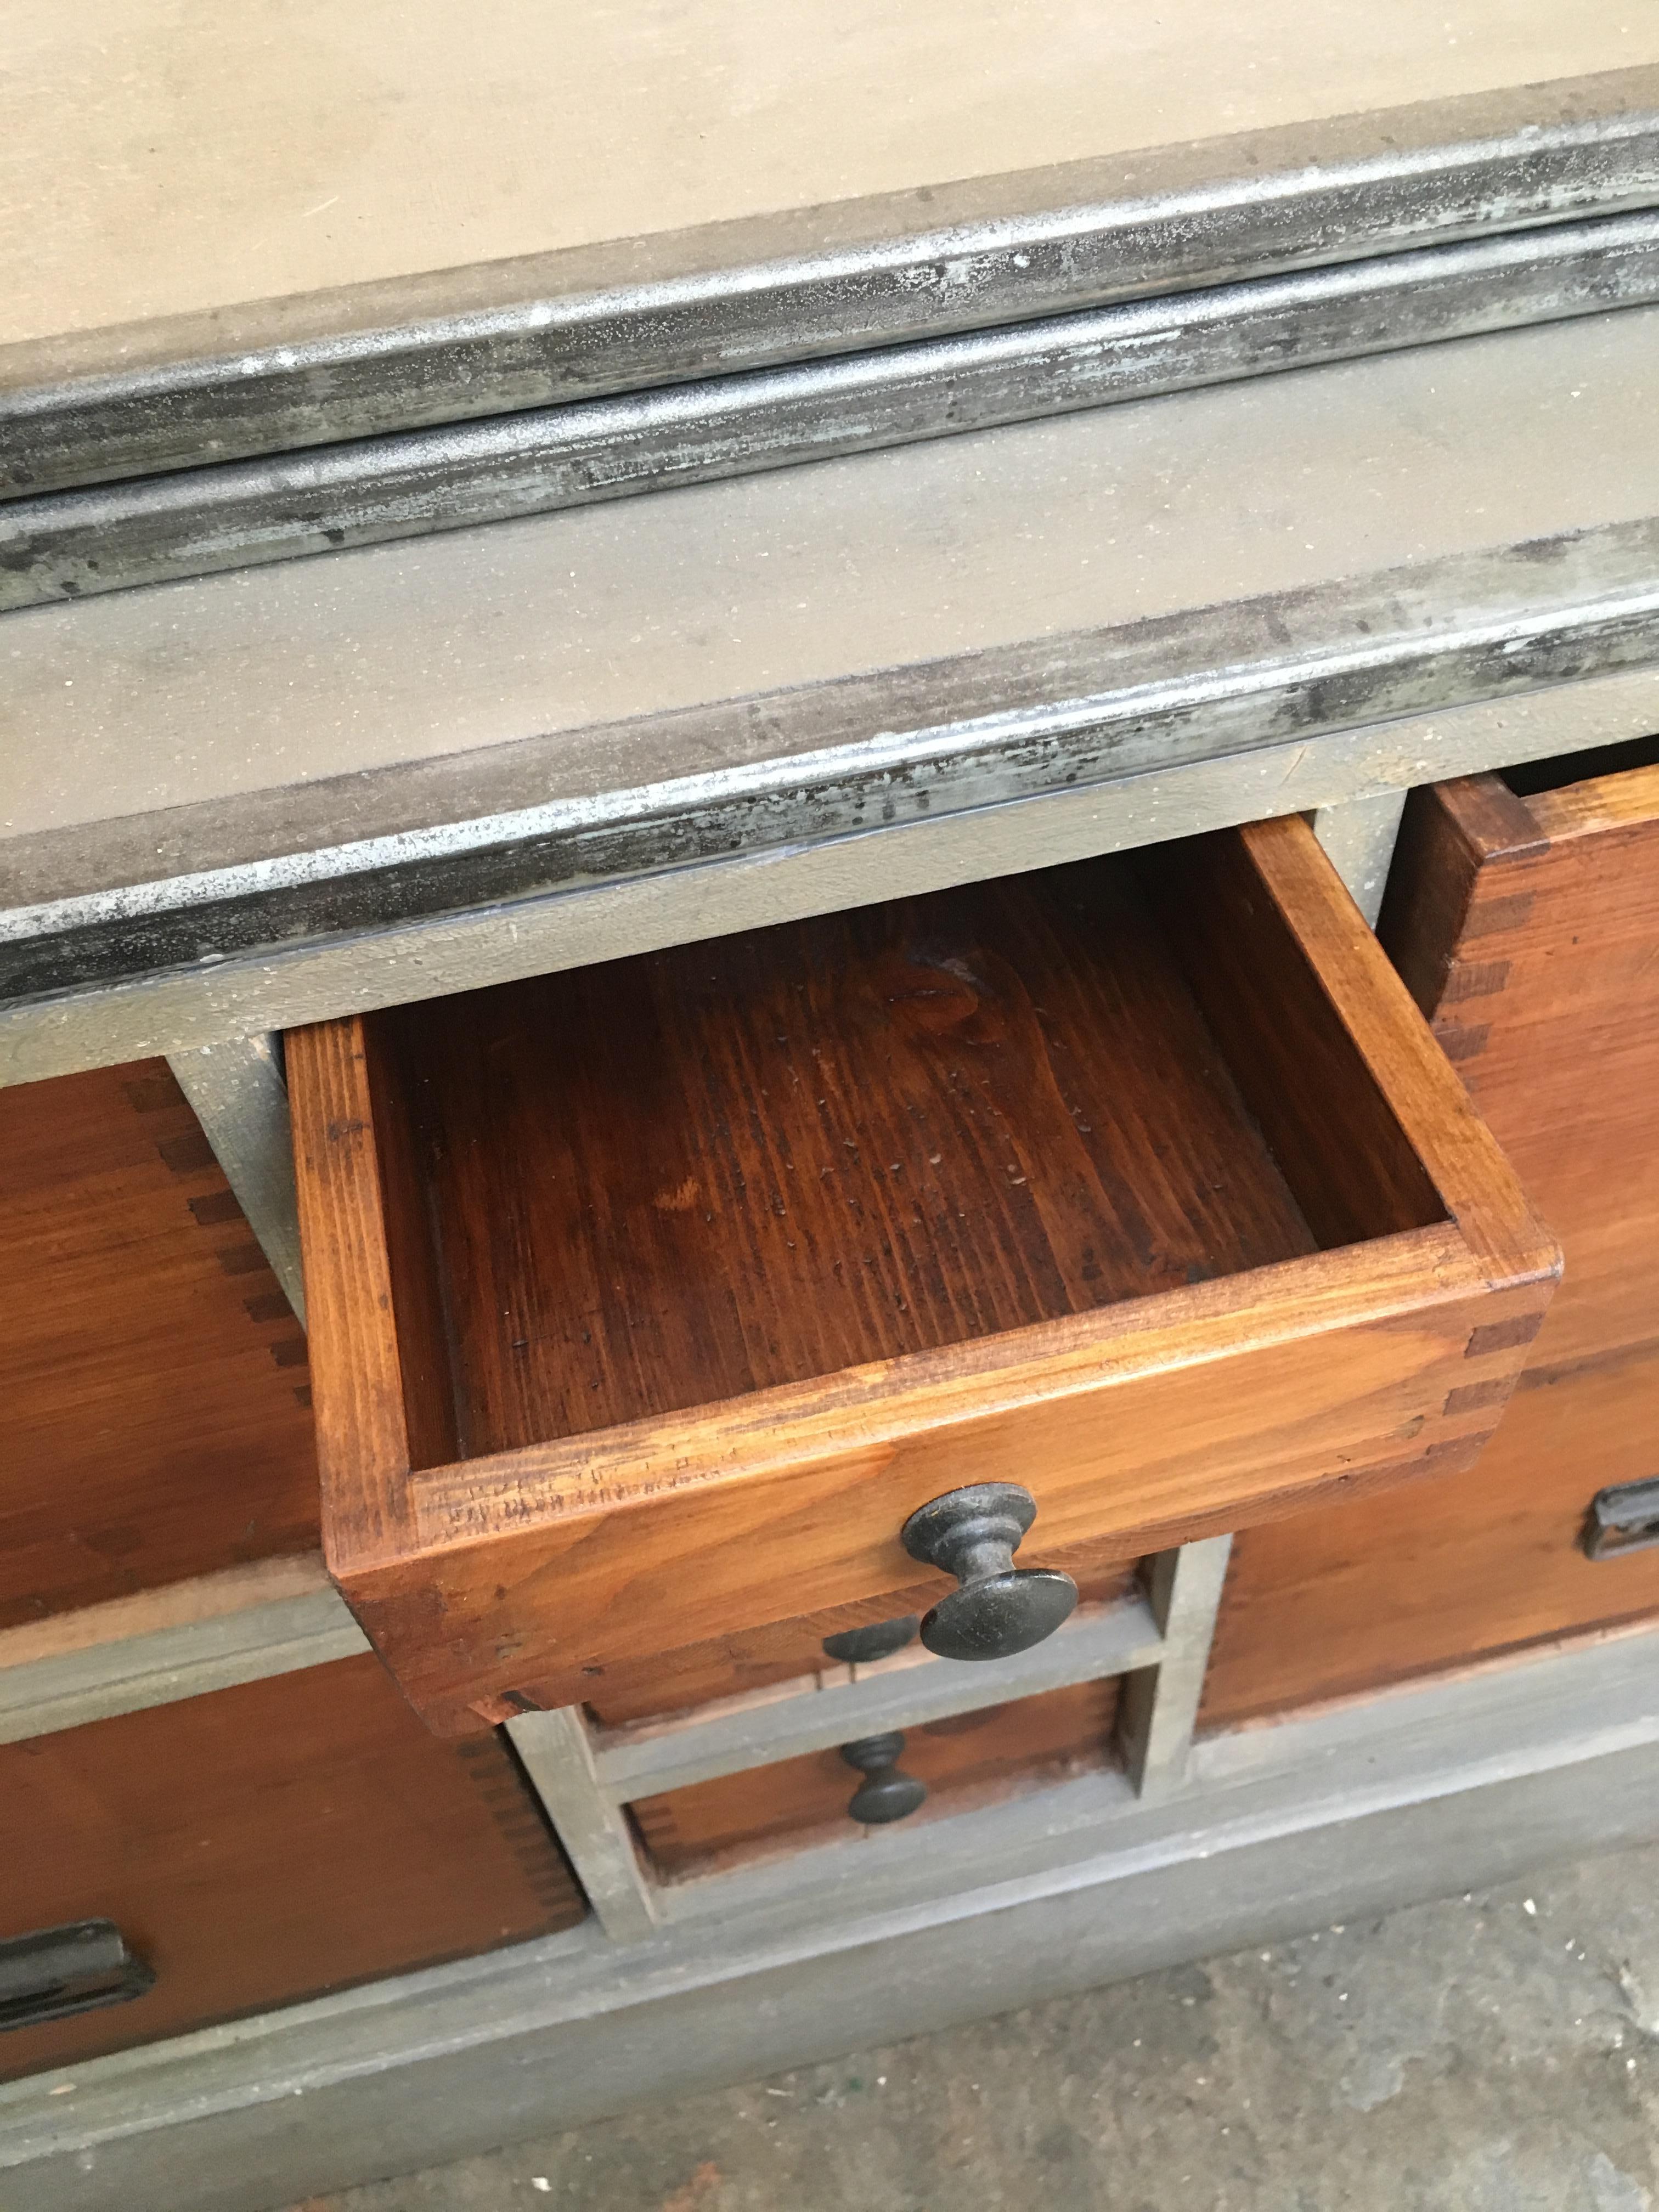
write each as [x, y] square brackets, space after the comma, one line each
[1497, 2052]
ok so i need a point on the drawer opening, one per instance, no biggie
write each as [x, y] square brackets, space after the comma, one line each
[1530, 779]
[628, 1190]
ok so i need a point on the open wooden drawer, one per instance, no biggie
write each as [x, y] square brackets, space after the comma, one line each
[648, 1301]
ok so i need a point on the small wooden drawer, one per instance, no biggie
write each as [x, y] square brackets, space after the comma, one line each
[646, 1302]
[157, 1403]
[961, 1762]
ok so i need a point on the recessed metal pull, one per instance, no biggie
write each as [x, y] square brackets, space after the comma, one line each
[1624, 1519]
[58, 1971]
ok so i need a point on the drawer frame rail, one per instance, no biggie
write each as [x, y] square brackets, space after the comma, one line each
[586, 1775]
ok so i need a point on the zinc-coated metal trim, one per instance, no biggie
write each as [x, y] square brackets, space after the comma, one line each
[451, 345]
[908, 747]
[70, 544]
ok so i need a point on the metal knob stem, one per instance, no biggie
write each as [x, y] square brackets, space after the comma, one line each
[885, 1794]
[998, 1608]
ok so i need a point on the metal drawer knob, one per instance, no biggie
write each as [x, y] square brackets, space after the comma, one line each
[885, 1794]
[862, 1647]
[999, 1609]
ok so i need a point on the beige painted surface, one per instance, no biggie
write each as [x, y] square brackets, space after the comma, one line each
[162, 156]
[235, 682]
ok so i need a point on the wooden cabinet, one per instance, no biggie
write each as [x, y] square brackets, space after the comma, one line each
[265, 1843]
[648, 1301]
[155, 1387]
[1523, 912]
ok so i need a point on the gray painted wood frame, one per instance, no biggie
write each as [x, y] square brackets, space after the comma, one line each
[586, 1775]
[240, 1099]
[1360, 1807]
[208, 1634]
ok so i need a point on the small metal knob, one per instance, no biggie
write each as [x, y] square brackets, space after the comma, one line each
[885, 1794]
[999, 1609]
[879, 1639]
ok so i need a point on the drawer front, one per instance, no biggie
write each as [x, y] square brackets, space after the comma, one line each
[1527, 922]
[1142, 1187]
[157, 1396]
[968, 1759]
[640, 1688]
[263, 1845]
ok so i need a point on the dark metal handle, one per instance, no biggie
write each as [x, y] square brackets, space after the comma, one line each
[1624, 1519]
[999, 1609]
[885, 1794]
[59, 1971]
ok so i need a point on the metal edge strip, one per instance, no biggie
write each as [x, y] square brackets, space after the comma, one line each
[196, 522]
[837, 758]
[449, 345]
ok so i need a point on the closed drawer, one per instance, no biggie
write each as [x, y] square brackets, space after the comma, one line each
[1523, 911]
[915, 1774]
[253, 1847]
[649, 1302]
[154, 1377]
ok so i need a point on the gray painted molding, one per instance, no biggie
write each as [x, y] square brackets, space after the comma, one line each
[633, 313]
[1095, 716]
[177, 1010]
[72, 544]
[240, 1099]
[1356, 1808]
[214, 1639]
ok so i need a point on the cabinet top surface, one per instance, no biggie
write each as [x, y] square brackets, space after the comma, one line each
[169, 158]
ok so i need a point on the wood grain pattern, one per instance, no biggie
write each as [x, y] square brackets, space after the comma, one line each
[782, 1650]
[155, 1382]
[700, 1829]
[1269, 1369]
[1527, 922]
[266, 1843]
[777, 1156]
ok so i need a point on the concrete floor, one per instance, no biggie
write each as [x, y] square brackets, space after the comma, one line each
[1495, 2053]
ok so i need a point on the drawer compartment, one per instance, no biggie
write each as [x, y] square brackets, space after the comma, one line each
[648, 1301]
[1523, 911]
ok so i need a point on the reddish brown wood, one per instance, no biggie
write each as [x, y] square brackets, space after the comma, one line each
[778, 1650]
[972, 1755]
[267, 1844]
[1142, 1329]
[154, 1383]
[1528, 922]
[663, 1182]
